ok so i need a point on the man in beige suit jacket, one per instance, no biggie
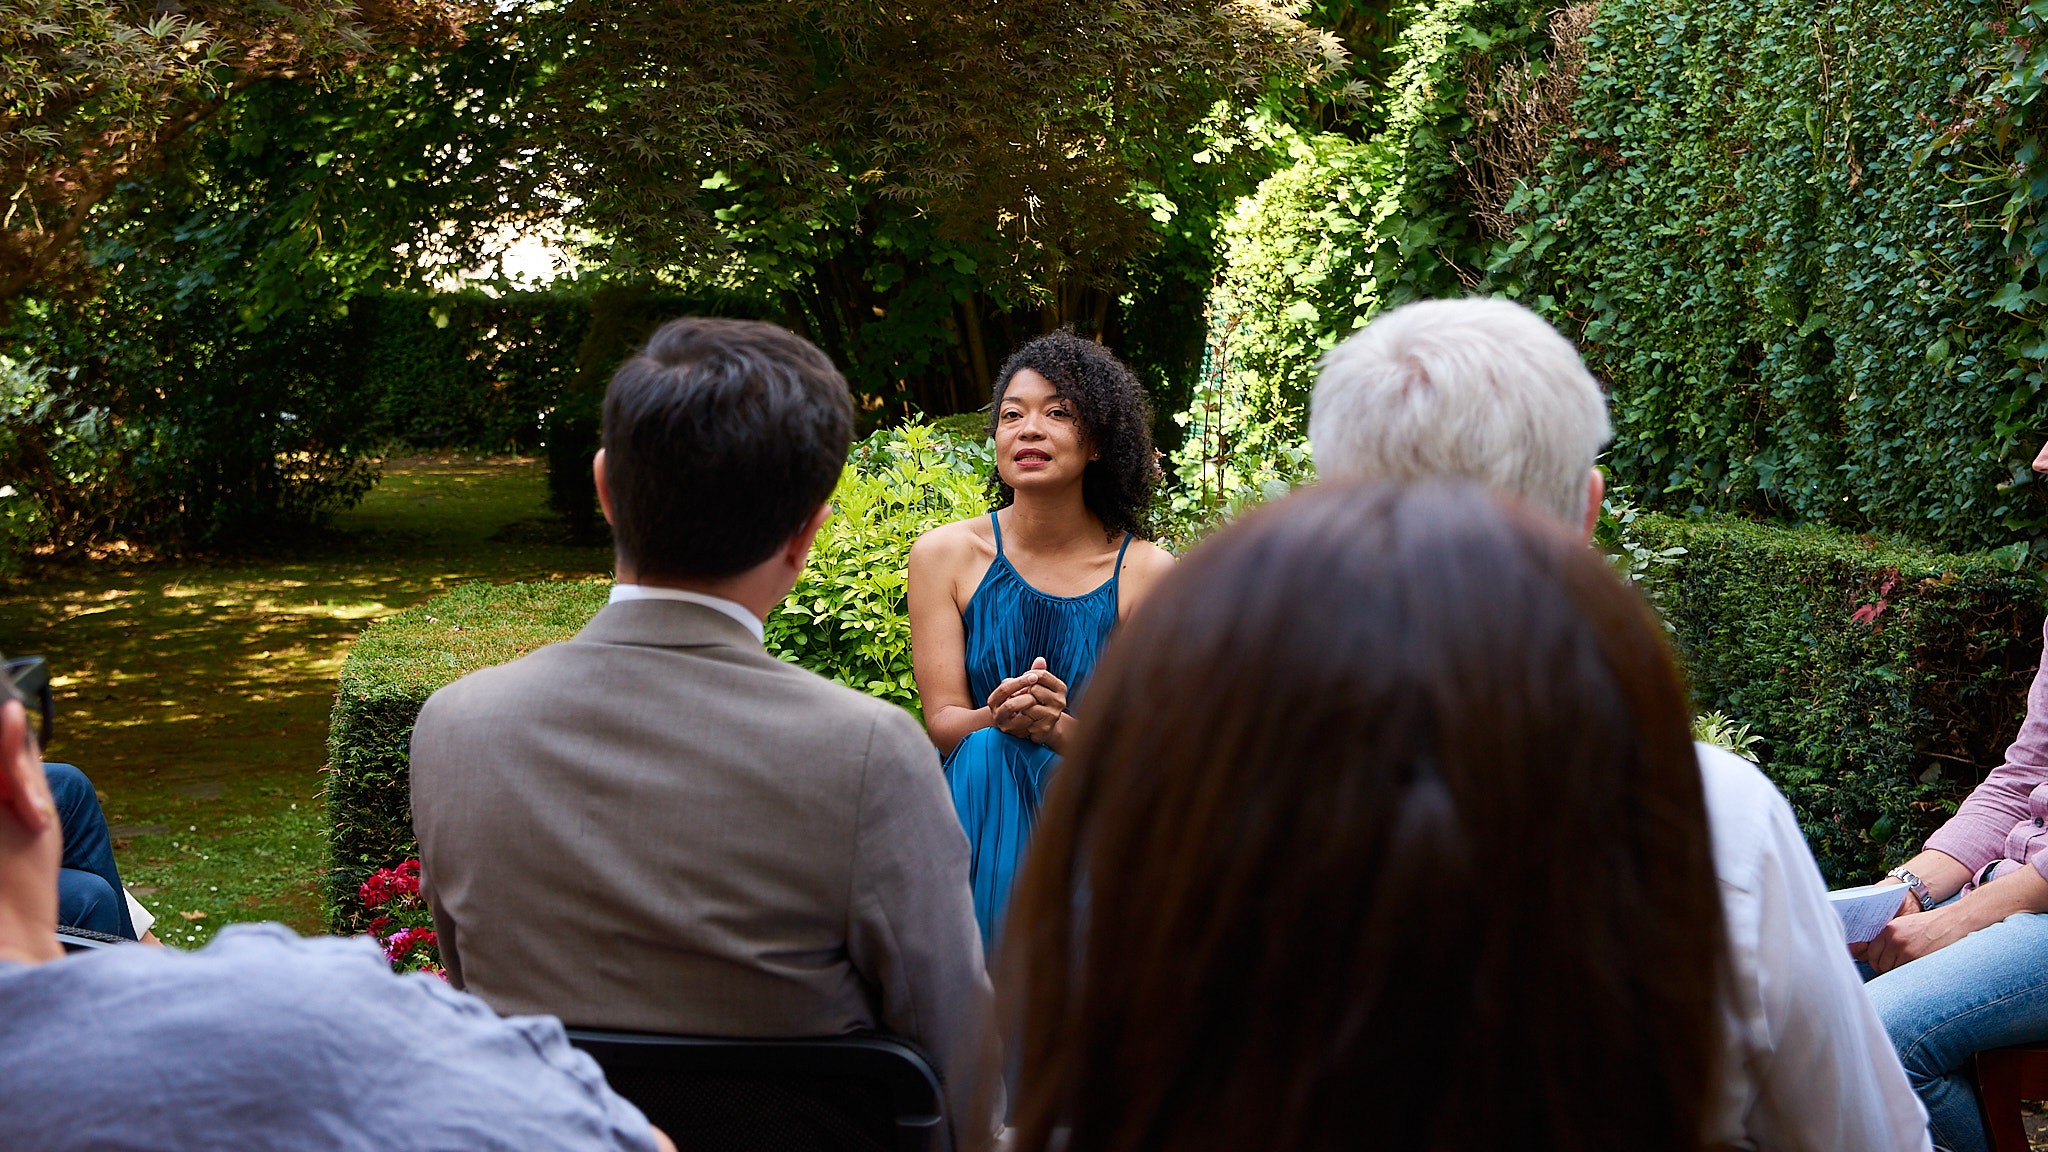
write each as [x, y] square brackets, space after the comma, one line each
[656, 825]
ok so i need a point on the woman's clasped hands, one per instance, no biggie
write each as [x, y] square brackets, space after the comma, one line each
[1031, 706]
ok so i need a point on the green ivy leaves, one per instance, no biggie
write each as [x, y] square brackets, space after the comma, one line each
[1802, 244]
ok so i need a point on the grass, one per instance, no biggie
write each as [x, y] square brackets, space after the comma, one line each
[196, 691]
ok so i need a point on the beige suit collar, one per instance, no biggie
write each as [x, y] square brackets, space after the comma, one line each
[667, 624]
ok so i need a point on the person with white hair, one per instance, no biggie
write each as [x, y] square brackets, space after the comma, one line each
[1486, 390]
[1481, 389]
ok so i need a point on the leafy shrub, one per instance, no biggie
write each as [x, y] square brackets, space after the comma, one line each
[1354, 226]
[844, 620]
[177, 426]
[1242, 444]
[1883, 679]
[1717, 729]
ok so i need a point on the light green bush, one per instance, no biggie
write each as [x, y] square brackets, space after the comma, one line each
[846, 618]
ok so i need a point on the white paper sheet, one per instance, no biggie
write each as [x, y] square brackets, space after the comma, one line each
[1866, 910]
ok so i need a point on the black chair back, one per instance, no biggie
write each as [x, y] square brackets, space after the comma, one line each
[834, 1094]
[85, 939]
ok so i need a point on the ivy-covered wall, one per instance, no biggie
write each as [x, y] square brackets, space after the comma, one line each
[1800, 241]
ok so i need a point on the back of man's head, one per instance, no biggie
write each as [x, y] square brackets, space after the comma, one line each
[1479, 389]
[721, 439]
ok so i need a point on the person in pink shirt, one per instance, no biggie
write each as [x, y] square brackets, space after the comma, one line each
[1964, 965]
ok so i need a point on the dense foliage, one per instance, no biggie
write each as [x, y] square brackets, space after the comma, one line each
[916, 187]
[94, 92]
[1801, 243]
[189, 428]
[209, 383]
[1885, 680]
[924, 186]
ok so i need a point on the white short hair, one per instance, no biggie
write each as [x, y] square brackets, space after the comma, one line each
[1480, 389]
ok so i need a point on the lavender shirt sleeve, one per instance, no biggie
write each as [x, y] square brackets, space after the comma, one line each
[1976, 834]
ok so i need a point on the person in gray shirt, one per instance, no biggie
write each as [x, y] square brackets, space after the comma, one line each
[261, 1039]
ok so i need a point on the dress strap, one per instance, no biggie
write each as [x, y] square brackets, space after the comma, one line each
[1116, 587]
[998, 526]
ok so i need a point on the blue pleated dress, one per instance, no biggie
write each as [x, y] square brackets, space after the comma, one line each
[997, 778]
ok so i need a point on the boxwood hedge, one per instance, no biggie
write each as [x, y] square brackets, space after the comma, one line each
[1886, 679]
[391, 670]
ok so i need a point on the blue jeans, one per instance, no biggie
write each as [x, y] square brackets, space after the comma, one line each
[1987, 990]
[88, 885]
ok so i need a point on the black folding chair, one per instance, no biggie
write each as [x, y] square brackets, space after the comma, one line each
[835, 1094]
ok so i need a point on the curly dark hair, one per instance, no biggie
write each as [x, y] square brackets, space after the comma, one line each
[1112, 413]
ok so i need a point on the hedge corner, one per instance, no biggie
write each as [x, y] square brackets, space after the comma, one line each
[1886, 679]
[390, 671]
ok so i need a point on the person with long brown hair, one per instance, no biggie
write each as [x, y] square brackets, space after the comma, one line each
[1423, 864]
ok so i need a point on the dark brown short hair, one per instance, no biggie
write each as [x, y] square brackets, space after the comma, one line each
[721, 437]
[1386, 830]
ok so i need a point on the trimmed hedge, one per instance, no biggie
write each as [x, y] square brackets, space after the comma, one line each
[1885, 679]
[464, 370]
[391, 670]
[487, 374]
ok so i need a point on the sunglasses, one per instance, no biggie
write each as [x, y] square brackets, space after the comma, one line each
[31, 677]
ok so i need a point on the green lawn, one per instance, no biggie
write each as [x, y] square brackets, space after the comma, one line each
[195, 692]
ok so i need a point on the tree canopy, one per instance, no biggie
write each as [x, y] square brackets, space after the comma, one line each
[1028, 125]
[93, 92]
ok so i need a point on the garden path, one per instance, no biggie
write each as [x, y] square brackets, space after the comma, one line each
[195, 691]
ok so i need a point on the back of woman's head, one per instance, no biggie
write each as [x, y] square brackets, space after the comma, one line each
[1385, 831]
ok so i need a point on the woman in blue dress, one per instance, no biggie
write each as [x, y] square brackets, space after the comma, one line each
[1009, 611]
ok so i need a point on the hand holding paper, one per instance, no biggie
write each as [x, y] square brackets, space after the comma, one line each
[1866, 910]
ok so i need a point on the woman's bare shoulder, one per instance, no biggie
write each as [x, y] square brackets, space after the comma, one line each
[1144, 564]
[1147, 558]
[960, 543]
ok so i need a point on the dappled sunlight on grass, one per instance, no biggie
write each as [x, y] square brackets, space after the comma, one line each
[195, 691]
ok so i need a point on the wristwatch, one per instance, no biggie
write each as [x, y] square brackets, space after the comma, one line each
[1915, 885]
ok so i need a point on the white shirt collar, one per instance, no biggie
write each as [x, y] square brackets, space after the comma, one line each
[748, 620]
